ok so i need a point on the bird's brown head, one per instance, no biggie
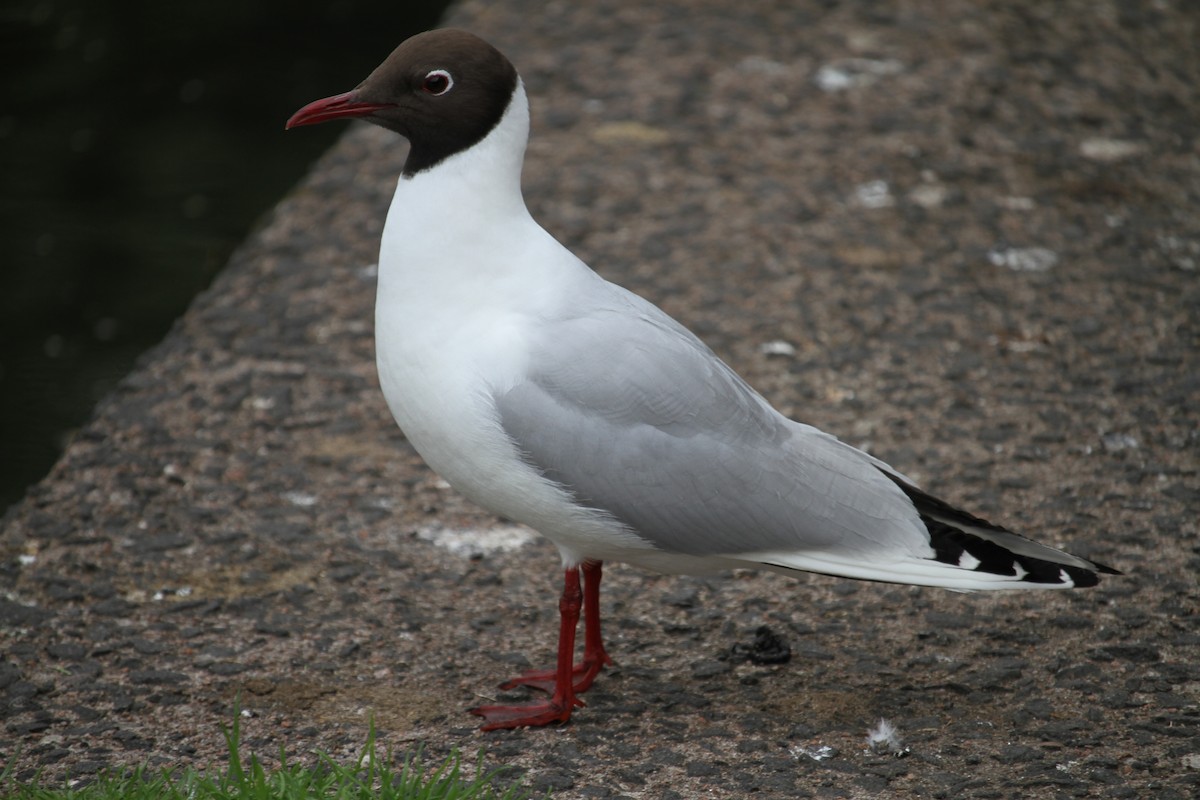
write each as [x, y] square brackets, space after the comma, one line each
[443, 90]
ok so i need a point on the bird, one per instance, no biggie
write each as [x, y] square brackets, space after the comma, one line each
[553, 397]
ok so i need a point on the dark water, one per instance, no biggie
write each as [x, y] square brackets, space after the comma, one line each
[139, 142]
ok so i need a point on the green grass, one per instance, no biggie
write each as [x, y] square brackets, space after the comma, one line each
[371, 777]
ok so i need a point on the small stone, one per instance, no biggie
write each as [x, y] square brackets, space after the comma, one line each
[1116, 442]
[69, 651]
[1135, 653]
[710, 669]
[227, 668]
[1024, 259]
[1110, 150]
[777, 347]
[854, 73]
[147, 647]
[683, 597]
[546, 781]
[17, 615]
[157, 676]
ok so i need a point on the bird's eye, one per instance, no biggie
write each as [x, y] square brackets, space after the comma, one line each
[437, 82]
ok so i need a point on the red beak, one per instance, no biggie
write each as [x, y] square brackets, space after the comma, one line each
[336, 107]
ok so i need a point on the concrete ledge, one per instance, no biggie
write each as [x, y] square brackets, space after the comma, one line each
[963, 234]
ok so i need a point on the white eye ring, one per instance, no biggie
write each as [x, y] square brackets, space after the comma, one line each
[437, 82]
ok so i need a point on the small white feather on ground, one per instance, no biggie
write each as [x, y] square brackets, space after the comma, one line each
[884, 739]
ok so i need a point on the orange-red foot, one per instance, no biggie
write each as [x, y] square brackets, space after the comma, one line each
[583, 674]
[526, 716]
[566, 679]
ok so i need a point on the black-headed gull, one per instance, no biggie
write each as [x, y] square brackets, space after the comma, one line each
[552, 397]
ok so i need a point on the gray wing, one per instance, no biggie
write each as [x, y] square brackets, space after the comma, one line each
[636, 417]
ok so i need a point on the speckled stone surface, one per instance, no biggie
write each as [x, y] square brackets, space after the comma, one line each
[964, 235]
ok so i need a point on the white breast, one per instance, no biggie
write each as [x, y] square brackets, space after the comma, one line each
[464, 271]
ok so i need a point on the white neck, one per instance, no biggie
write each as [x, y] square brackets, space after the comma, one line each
[476, 184]
[460, 249]
[459, 239]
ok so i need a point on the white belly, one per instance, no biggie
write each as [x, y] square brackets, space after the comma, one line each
[442, 359]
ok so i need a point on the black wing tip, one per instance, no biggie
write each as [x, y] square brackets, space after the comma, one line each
[1086, 577]
[950, 543]
[953, 546]
[1078, 577]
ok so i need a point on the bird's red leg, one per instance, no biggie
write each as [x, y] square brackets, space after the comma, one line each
[594, 656]
[563, 700]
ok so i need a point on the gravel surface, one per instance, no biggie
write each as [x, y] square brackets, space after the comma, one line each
[964, 235]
